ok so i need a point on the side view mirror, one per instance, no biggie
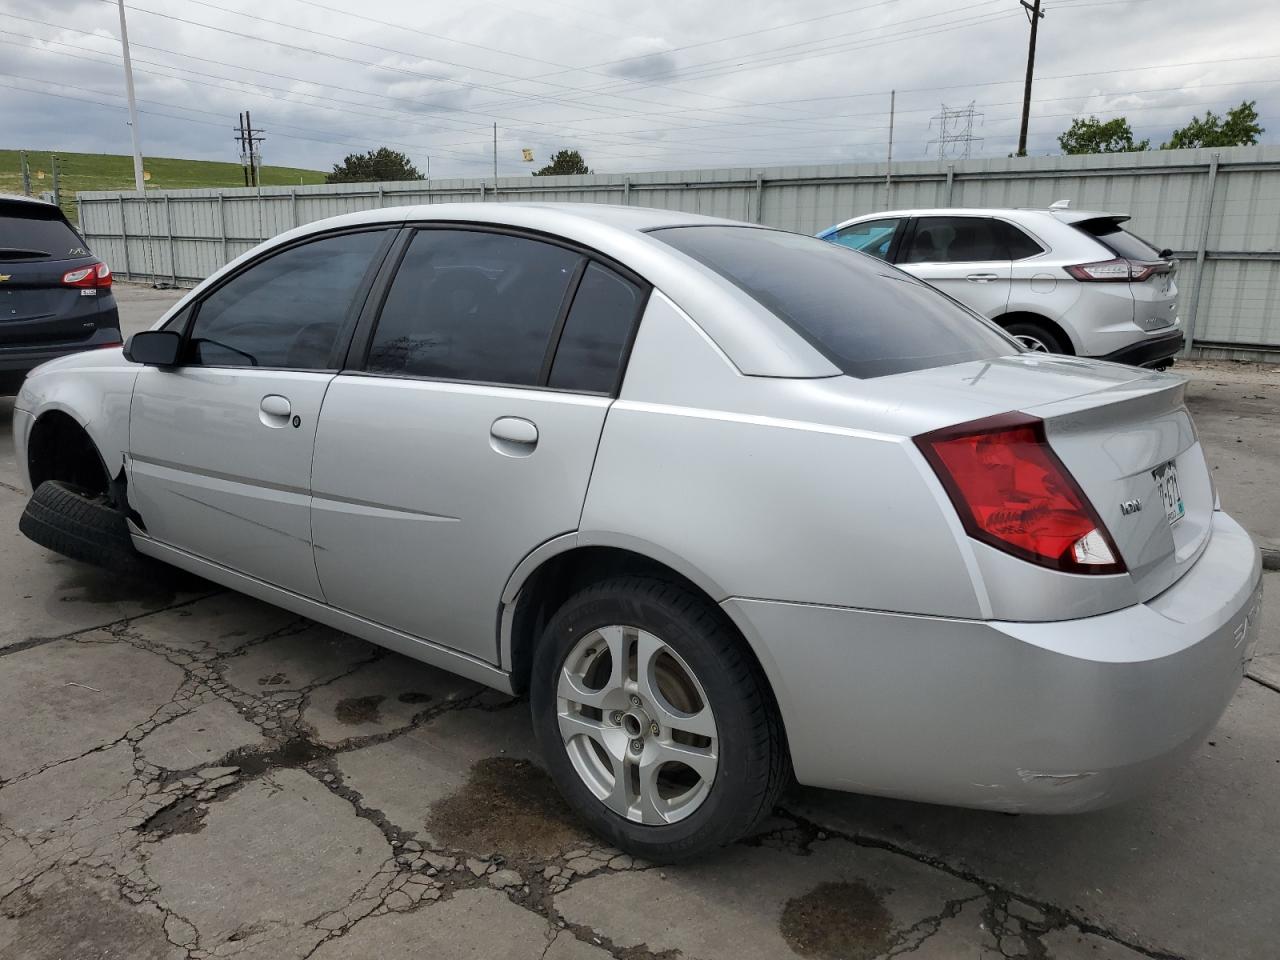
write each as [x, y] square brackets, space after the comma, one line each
[155, 348]
[1166, 253]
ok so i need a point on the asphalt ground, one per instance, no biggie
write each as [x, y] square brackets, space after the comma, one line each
[197, 774]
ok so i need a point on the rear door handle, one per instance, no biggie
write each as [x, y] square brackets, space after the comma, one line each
[513, 436]
[982, 277]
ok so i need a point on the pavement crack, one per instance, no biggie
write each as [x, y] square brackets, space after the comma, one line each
[806, 833]
[32, 642]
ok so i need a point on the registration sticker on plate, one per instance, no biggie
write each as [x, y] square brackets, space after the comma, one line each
[1166, 477]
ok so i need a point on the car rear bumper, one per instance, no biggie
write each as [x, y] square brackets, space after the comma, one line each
[1147, 353]
[18, 360]
[1049, 717]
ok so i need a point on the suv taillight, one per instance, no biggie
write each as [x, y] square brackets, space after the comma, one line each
[1118, 270]
[1013, 493]
[94, 275]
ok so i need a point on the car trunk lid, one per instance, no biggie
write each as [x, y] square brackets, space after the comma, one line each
[1155, 294]
[1155, 297]
[35, 305]
[1112, 426]
[1133, 450]
[37, 249]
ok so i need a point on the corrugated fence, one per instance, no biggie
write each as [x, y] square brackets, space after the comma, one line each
[1219, 210]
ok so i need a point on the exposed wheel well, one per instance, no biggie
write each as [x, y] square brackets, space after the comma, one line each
[60, 449]
[560, 577]
[1022, 316]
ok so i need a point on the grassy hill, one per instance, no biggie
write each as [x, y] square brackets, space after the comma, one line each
[102, 171]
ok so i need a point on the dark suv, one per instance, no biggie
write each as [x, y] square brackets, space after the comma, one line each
[55, 296]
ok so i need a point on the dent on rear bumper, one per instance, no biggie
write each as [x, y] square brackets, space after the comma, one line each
[1034, 717]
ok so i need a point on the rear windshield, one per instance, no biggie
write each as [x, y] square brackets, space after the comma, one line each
[1118, 240]
[31, 231]
[868, 318]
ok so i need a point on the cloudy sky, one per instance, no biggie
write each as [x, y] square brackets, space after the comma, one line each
[666, 83]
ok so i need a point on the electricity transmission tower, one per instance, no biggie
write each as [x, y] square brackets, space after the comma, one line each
[250, 155]
[955, 137]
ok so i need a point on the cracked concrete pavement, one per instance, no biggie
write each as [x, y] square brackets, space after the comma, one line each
[197, 774]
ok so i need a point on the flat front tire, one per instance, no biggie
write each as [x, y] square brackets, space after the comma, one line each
[656, 722]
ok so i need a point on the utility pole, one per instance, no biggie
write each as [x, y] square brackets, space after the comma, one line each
[57, 193]
[26, 175]
[250, 155]
[495, 156]
[1034, 14]
[133, 106]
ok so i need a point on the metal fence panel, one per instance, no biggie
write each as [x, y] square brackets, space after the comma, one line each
[182, 236]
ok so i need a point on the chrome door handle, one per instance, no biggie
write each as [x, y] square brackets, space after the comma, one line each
[982, 277]
[513, 436]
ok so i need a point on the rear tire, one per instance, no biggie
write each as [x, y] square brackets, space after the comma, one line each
[62, 518]
[726, 720]
[1036, 337]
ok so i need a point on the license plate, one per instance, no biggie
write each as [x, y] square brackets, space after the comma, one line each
[1166, 477]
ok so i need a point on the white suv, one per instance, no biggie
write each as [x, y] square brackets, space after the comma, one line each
[1060, 280]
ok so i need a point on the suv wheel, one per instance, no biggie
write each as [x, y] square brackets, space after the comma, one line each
[1035, 337]
[655, 722]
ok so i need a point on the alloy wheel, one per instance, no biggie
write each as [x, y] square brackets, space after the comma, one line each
[637, 725]
[1032, 343]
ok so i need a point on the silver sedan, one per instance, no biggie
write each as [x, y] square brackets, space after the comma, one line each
[726, 501]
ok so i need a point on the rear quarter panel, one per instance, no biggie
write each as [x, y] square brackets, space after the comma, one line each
[735, 478]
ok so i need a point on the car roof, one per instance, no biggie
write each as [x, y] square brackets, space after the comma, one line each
[724, 312]
[20, 198]
[1063, 215]
[517, 213]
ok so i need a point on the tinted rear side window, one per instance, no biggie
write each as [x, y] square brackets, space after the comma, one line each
[868, 318]
[1118, 240]
[472, 306]
[596, 332]
[30, 231]
[1018, 244]
[956, 240]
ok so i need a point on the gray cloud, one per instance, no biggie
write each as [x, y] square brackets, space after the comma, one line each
[632, 89]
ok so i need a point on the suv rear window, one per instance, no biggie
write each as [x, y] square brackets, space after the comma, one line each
[1119, 241]
[866, 317]
[37, 231]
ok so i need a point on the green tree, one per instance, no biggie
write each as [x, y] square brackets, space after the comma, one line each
[563, 162]
[1239, 128]
[373, 167]
[1091, 135]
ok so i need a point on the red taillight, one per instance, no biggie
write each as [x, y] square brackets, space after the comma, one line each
[1113, 271]
[94, 275]
[1012, 492]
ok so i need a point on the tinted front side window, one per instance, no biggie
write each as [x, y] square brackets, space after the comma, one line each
[286, 311]
[872, 237]
[868, 318]
[472, 306]
[596, 332]
[955, 240]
